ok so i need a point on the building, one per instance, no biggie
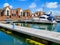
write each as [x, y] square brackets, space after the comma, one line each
[17, 14]
[38, 14]
[27, 14]
[12, 14]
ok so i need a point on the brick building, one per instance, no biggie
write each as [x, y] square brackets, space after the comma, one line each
[17, 14]
[38, 14]
[13, 14]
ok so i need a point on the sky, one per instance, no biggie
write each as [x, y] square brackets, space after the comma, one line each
[34, 5]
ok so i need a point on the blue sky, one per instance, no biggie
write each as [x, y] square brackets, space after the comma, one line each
[33, 5]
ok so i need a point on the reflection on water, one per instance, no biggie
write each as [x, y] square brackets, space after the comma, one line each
[10, 40]
[39, 26]
[54, 27]
[57, 28]
[17, 39]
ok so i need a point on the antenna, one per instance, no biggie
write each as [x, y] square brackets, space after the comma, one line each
[44, 5]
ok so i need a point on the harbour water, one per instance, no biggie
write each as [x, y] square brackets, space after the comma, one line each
[11, 39]
[15, 39]
[54, 27]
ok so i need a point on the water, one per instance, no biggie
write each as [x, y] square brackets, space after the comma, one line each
[19, 39]
[6, 39]
[15, 38]
[54, 27]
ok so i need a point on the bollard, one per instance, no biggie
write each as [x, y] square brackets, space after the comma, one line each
[13, 25]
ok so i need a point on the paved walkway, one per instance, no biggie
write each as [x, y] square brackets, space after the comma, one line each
[44, 34]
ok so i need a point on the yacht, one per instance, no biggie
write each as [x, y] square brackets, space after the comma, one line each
[46, 18]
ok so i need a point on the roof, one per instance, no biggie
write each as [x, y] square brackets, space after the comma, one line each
[27, 10]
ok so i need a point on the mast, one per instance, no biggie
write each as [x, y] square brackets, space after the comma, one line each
[44, 6]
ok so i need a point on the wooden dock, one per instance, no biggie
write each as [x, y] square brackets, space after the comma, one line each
[44, 34]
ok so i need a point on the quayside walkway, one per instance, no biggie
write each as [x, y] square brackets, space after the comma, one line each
[44, 34]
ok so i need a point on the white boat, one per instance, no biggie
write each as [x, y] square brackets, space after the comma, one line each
[45, 19]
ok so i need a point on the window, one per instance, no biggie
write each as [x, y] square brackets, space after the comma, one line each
[13, 14]
[7, 12]
[42, 17]
[27, 13]
[21, 13]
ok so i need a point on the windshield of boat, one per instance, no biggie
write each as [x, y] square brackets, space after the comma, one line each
[42, 17]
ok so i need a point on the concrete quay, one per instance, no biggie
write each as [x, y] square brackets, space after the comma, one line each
[44, 34]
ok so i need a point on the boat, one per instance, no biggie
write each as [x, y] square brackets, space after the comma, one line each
[46, 18]
[57, 19]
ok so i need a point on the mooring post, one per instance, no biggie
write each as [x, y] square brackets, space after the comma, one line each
[13, 25]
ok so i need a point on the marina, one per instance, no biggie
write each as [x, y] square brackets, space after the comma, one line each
[44, 34]
[25, 22]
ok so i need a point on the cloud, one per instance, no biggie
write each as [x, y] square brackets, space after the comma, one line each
[7, 4]
[39, 9]
[55, 12]
[52, 5]
[10, 6]
[33, 5]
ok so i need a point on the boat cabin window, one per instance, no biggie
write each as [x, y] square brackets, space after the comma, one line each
[42, 17]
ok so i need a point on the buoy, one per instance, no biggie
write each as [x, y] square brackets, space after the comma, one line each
[33, 42]
[8, 32]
